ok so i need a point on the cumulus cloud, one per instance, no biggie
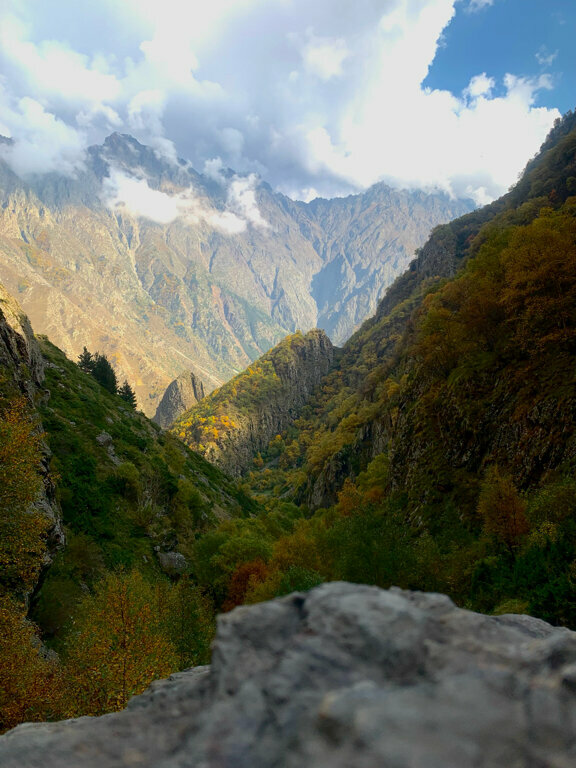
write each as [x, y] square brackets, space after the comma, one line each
[126, 192]
[44, 142]
[324, 56]
[324, 97]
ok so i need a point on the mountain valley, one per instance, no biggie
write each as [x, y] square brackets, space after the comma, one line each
[435, 450]
[166, 270]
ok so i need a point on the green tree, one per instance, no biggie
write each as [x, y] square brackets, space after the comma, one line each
[104, 373]
[117, 644]
[86, 361]
[127, 393]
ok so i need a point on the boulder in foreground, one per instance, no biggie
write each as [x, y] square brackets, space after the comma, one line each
[345, 676]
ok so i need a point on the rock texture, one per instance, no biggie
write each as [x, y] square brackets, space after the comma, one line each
[237, 421]
[179, 397]
[345, 676]
[160, 296]
[22, 370]
[20, 356]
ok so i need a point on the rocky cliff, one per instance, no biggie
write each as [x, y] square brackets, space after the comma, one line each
[345, 676]
[237, 421]
[162, 268]
[181, 394]
[22, 371]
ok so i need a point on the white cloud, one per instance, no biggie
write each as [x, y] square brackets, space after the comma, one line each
[134, 195]
[242, 199]
[480, 85]
[123, 191]
[324, 57]
[317, 97]
[478, 5]
[42, 142]
[546, 58]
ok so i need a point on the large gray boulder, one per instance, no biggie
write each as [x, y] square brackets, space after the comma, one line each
[345, 676]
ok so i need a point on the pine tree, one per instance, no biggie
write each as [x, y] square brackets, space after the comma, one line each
[127, 393]
[104, 373]
[86, 361]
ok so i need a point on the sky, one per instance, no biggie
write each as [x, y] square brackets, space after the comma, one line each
[316, 97]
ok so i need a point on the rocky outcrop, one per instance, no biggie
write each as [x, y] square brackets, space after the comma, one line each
[179, 397]
[346, 676]
[22, 371]
[20, 356]
[259, 404]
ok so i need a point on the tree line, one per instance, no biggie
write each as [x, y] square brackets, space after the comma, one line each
[101, 369]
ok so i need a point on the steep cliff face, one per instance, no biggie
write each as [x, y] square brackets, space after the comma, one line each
[237, 421]
[20, 355]
[343, 676]
[162, 268]
[181, 395]
[22, 370]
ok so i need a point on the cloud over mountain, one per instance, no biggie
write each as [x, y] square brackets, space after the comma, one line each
[318, 98]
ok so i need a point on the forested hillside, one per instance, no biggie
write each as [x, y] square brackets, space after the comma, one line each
[435, 451]
[439, 452]
[232, 425]
[101, 560]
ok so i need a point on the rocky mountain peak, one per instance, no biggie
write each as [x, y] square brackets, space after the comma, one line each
[19, 351]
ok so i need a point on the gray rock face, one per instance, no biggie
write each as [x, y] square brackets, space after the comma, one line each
[172, 563]
[22, 368]
[345, 676]
[180, 396]
[20, 354]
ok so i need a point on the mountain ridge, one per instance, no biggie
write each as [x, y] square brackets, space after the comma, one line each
[227, 271]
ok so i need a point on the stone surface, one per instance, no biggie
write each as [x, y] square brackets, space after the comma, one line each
[184, 392]
[22, 369]
[172, 563]
[346, 676]
[104, 438]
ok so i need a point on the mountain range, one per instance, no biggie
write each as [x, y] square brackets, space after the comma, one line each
[164, 269]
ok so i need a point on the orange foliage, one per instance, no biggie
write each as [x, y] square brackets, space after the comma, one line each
[21, 530]
[502, 510]
[246, 576]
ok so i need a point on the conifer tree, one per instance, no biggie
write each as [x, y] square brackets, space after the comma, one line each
[104, 373]
[86, 361]
[127, 393]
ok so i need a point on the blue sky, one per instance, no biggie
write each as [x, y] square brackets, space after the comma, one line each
[317, 97]
[525, 37]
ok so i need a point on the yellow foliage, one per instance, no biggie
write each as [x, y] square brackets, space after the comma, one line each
[32, 685]
[117, 646]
